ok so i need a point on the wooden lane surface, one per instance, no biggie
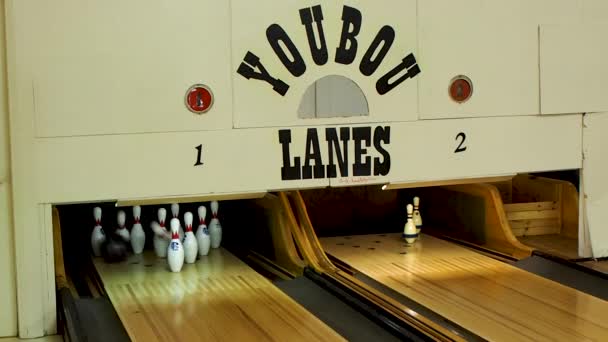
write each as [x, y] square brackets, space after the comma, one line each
[217, 298]
[492, 299]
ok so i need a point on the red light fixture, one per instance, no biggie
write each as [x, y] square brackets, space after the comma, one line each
[199, 99]
[461, 88]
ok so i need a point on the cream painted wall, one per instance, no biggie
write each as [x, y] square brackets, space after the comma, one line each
[595, 11]
[595, 187]
[8, 295]
[573, 79]
[4, 138]
[494, 43]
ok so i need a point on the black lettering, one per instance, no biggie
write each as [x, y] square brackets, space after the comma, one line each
[288, 172]
[362, 134]
[199, 155]
[350, 16]
[386, 35]
[276, 34]
[307, 16]
[331, 136]
[460, 147]
[313, 152]
[382, 135]
[409, 63]
[246, 69]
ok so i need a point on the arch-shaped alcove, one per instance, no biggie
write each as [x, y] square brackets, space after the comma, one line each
[333, 96]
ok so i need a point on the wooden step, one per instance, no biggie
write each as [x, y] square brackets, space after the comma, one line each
[534, 218]
[541, 230]
[533, 215]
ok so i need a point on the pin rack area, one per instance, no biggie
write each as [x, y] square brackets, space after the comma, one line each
[257, 284]
[543, 213]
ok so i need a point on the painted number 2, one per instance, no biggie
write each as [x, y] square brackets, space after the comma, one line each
[199, 155]
[461, 147]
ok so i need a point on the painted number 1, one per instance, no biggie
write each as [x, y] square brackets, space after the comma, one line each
[199, 155]
[461, 147]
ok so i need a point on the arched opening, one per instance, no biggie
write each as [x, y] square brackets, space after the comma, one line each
[333, 96]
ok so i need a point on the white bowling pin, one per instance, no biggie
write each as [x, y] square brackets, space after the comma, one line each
[417, 218]
[175, 251]
[215, 228]
[138, 236]
[98, 236]
[161, 232]
[202, 234]
[190, 243]
[160, 242]
[409, 231]
[175, 213]
[122, 230]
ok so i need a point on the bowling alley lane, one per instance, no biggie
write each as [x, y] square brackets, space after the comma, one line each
[490, 298]
[217, 298]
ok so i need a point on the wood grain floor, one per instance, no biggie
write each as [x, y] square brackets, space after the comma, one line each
[601, 266]
[492, 299]
[218, 298]
[554, 244]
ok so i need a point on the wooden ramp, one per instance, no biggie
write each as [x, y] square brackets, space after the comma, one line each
[492, 299]
[217, 298]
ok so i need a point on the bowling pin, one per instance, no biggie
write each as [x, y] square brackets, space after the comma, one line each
[161, 232]
[175, 213]
[409, 231]
[138, 236]
[416, 216]
[160, 242]
[190, 243]
[202, 234]
[175, 251]
[122, 230]
[215, 228]
[98, 236]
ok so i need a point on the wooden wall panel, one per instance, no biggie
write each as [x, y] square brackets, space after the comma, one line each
[124, 67]
[495, 44]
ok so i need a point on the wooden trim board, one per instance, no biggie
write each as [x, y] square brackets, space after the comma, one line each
[217, 298]
[494, 300]
[447, 182]
[190, 199]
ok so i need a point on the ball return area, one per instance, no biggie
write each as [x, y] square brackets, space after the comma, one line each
[331, 264]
